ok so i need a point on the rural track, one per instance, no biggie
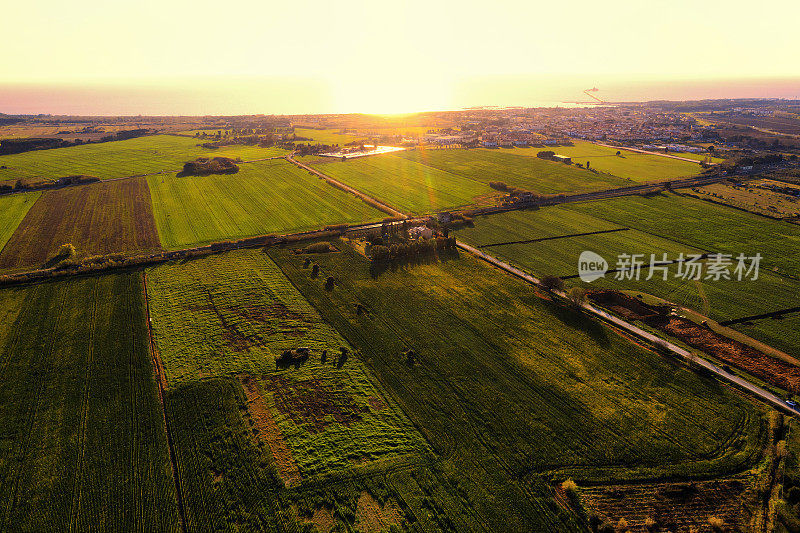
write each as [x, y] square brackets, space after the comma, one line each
[763, 395]
[369, 199]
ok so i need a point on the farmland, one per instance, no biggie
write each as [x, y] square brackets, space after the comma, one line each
[751, 197]
[718, 299]
[265, 197]
[781, 333]
[100, 218]
[118, 159]
[707, 226]
[578, 375]
[526, 172]
[329, 136]
[403, 183]
[633, 166]
[233, 316]
[12, 211]
[81, 431]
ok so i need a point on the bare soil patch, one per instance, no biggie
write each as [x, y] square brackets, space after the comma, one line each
[730, 351]
[267, 432]
[376, 403]
[313, 404]
[99, 219]
[755, 362]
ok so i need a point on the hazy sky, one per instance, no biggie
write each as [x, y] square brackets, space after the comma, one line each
[394, 56]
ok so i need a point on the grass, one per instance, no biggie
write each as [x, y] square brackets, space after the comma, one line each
[266, 197]
[227, 480]
[12, 211]
[117, 159]
[529, 173]
[224, 316]
[707, 226]
[82, 441]
[632, 166]
[720, 300]
[329, 136]
[99, 218]
[556, 221]
[750, 198]
[780, 333]
[507, 378]
[402, 183]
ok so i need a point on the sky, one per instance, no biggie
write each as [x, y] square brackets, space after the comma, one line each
[373, 56]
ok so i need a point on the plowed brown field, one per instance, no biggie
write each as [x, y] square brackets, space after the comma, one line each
[97, 219]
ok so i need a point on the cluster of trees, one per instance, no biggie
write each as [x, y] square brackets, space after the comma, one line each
[18, 146]
[752, 160]
[310, 149]
[204, 166]
[411, 250]
[25, 185]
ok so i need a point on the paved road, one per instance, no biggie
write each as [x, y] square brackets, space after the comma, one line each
[756, 391]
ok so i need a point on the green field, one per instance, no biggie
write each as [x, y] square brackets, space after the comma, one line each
[629, 165]
[529, 173]
[780, 333]
[265, 197]
[404, 184]
[231, 315]
[708, 226]
[82, 441]
[506, 377]
[555, 221]
[13, 209]
[117, 159]
[330, 136]
[718, 299]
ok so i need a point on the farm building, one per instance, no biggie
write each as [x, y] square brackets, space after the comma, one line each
[420, 232]
[562, 159]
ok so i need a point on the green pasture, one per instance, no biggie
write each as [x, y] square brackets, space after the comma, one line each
[117, 159]
[266, 197]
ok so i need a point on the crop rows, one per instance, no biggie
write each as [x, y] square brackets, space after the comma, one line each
[518, 168]
[12, 211]
[605, 409]
[117, 159]
[83, 443]
[402, 183]
[707, 226]
[235, 314]
[718, 299]
[100, 218]
[265, 197]
[633, 166]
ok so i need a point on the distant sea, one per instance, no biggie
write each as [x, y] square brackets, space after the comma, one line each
[307, 96]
